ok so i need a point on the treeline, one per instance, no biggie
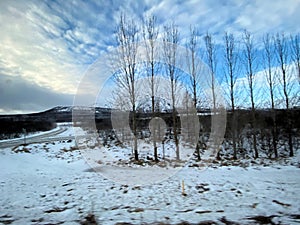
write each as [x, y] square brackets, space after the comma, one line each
[234, 59]
[11, 128]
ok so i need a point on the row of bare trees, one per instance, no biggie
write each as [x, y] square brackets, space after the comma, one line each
[128, 38]
[234, 60]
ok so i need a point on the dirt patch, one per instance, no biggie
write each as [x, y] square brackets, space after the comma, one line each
[263, 219]
[6, 219]
[281, 203]
[56, 209]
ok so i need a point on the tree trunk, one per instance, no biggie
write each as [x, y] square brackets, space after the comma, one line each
[233, 124]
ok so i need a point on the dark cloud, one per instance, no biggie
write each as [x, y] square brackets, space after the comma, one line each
[17, 94]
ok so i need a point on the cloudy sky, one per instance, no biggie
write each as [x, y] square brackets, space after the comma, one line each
[46, 46]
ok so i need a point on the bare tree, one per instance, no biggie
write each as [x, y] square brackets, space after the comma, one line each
[211, 59]
[127, 39]
[268, 59]
[193, 64]
[282, 53]
[150, 34]
[171, 36]
[230, 58]
[296, 52]
[250, 60]
[194, 67]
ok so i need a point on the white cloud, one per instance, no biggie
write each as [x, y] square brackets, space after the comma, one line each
[262, 91]
[51, 43]
[269, 16]
[28, 52]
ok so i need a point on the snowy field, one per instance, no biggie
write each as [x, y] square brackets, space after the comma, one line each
[50, 183]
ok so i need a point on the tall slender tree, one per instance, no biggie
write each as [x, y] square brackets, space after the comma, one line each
[282, 53]
[127, 38]
[193, 64]
[250, 58]
[170, 41]
[195, 69]
[150, 34]
[230, 58]
[211, 59]
[268, 59]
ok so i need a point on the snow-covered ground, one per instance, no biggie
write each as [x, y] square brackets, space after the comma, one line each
[52, 184]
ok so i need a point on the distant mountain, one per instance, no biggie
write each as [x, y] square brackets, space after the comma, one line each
[58, 114]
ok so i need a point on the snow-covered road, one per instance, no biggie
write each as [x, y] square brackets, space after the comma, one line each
[60, 133]
[40, 137]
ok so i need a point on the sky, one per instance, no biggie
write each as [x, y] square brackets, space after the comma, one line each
[47, 46]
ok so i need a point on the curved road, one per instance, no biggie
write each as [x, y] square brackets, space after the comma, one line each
[43, 137]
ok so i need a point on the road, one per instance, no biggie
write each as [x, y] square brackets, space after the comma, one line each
[43, 137]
